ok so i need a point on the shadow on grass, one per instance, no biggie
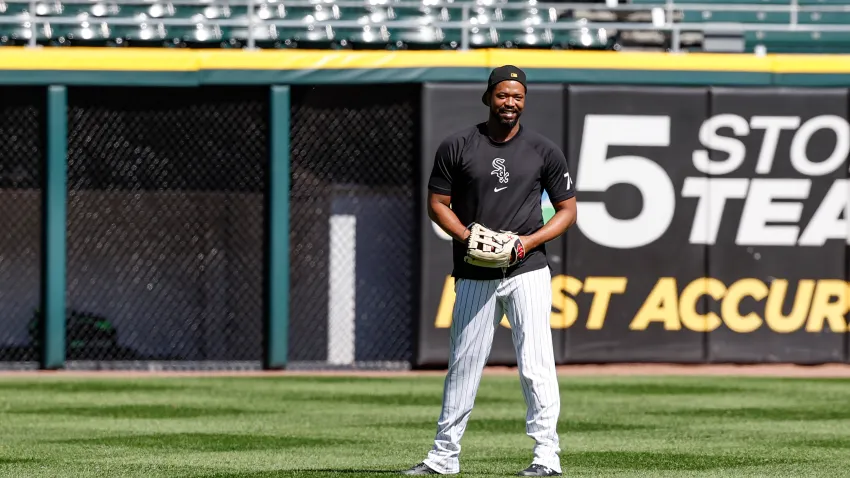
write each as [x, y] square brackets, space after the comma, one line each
[667, 461]
[86, 386]
[650, 389]
[433, 399]
[207, 442]
[762, 413]
[517, 426]
[350, 473]
[653, 461]
[829, 443]
[505, 425]
[319, 379]
[16, 461]
[135, 411]
[593, 460]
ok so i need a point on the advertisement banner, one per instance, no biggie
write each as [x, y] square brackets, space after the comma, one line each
[712, 224]
[447, 108]
[776, 242]
[633, 276]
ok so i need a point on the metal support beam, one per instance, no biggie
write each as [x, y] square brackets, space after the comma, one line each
[276, 333]
[53, 263]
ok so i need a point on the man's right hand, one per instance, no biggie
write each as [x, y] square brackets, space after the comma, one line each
[440, 211]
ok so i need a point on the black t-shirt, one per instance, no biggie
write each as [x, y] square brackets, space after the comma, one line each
[500, 185]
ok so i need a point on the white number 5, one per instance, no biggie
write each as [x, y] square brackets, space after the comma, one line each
[596, 172]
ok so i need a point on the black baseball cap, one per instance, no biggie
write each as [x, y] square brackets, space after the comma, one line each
[503, 73]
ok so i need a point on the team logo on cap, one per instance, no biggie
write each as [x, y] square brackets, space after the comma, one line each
[513, 75]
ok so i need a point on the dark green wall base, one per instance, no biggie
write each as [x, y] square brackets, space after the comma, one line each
[415, 75]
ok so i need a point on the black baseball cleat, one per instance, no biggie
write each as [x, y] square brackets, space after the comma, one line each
[538, 470]
[420, 469]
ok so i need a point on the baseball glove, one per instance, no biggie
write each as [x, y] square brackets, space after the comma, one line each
[488, 248]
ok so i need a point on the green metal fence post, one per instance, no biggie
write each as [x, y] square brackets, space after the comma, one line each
[276, 329]
[52, 328]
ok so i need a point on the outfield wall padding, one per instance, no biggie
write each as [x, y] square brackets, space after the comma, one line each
[712, 224]
[788, 249]
[713, 206]
[628, 148]
[447, 108]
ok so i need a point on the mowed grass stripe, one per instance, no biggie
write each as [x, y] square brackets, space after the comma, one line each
[348, 427]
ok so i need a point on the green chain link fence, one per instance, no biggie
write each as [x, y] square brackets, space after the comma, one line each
[166, 226]
[166, 195]
[22, 116]
[354, 223]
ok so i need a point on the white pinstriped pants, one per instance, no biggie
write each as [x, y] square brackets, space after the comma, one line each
[526, 299]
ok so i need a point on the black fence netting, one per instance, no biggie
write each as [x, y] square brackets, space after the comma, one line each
[166, 223]
[22, 149]
[354, 223]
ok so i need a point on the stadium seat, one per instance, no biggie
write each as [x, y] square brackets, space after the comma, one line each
[583, 39]
[494, 24]
[197, 13]
[310, 36]
[270, 11]
[798, 42]
[736, 16]
[16, 34]
[423, 37]
[85, 32]
[196, 34]
[143, 34]
[484, 36]
[525, 37]
[824, 18]
[13, 9]
[732, 15]
[708, 2]
[423, 15]
[365, 36]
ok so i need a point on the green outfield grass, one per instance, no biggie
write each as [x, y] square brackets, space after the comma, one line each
[353, 427]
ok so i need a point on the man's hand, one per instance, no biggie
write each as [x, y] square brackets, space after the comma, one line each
[441, 213]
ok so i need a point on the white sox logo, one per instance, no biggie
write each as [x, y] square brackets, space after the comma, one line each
[499, 170]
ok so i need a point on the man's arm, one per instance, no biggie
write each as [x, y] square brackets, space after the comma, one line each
[559, 185]
[565, 216]
[442, 215]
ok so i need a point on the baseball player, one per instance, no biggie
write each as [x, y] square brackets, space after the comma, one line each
[485, 191]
